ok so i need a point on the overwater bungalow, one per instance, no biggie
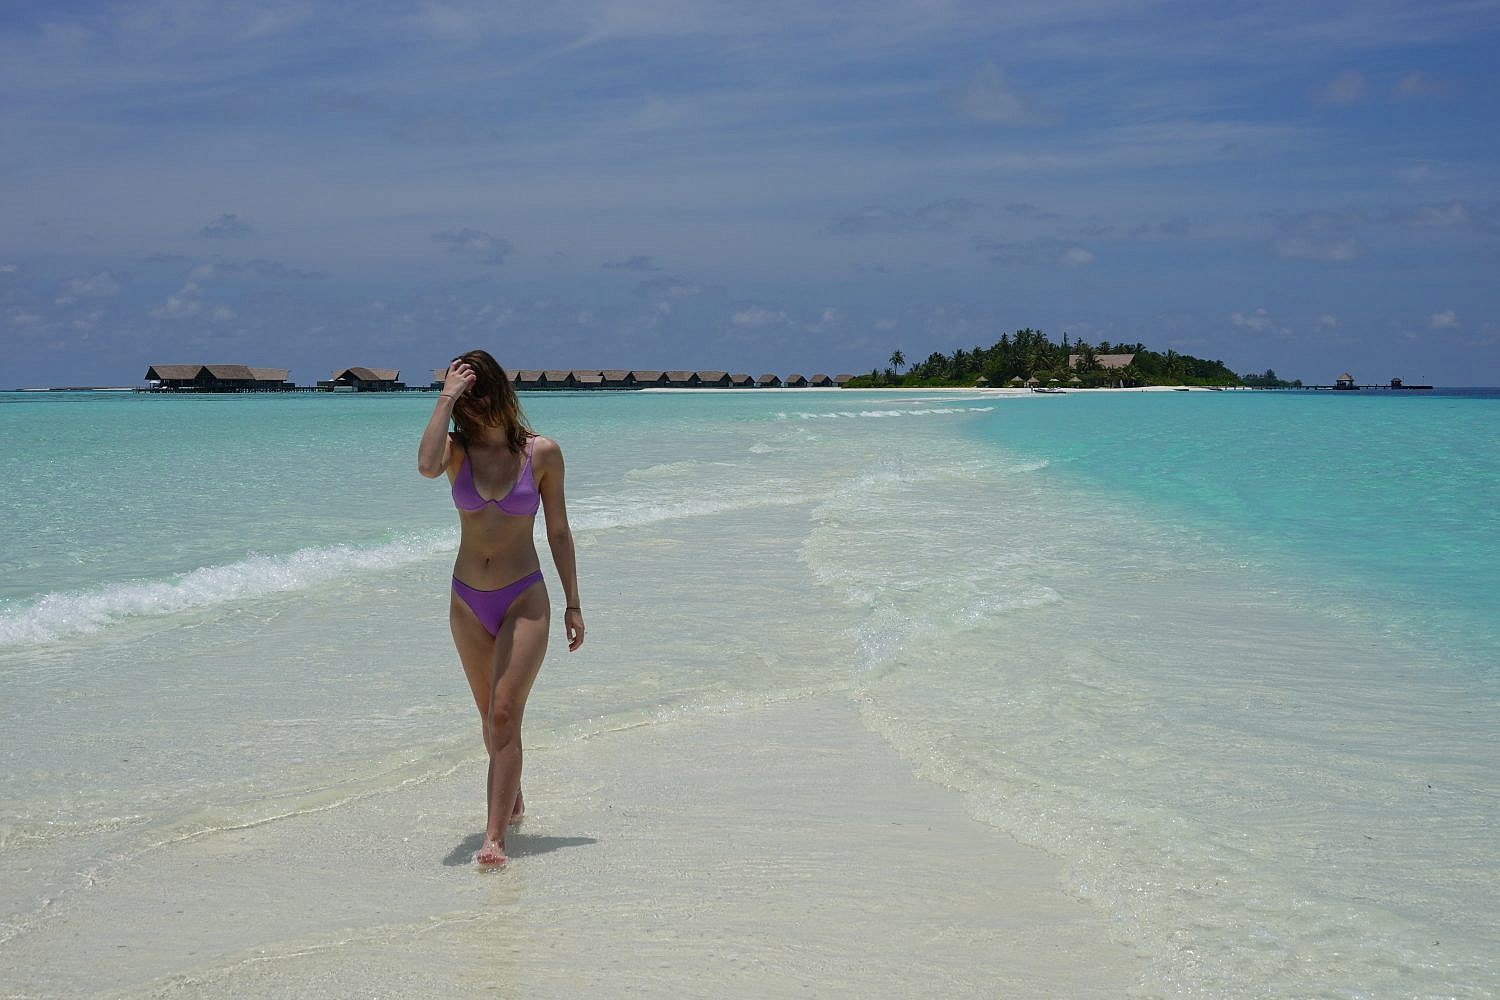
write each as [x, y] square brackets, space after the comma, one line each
[1345, 381]
[682, 380]
[587, 380]
[842, 379]
[742, 381]
[648, 379]
[796, 380]
[821, 381]
[713, 380]
[769, 381]
[615, 378]
[557, 380]
[217, 378]
[360, 379]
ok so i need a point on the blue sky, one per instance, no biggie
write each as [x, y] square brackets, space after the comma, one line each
[758, 187]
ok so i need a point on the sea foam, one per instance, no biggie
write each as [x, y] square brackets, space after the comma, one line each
[64, 614]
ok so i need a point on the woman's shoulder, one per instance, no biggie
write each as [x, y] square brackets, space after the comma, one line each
[545, 448]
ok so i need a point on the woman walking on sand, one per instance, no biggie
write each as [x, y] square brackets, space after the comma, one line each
[499, 611]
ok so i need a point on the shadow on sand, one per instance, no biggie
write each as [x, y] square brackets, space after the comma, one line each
[517, 845]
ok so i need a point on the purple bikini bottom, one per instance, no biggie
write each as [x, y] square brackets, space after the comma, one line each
[490, 606]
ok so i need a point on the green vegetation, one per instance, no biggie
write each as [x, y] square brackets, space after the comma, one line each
[1268, 380]
[1029, 354]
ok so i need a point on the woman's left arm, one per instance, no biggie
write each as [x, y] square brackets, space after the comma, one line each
[548, 460]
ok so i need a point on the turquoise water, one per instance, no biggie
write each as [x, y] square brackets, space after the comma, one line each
[1230, 656]
[1383, 505]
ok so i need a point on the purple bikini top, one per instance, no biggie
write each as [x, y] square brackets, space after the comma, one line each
[522, 500]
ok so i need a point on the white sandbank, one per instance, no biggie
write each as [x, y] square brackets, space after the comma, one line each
[778, 851]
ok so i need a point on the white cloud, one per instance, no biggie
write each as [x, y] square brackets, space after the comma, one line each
[934, 217]
[98, 286]
[754, 317]
[828, 318]
[1327, 322]
[222, 314]
[25, 319]
[474, 242]
[1347, 87]
[988, 96]
[885, 323]
[1076, 257]
[1309, 248]
[226, 227]
[1443, 320]
[9, 268]
[184, 304]
[1259, 321]
[1416, 84]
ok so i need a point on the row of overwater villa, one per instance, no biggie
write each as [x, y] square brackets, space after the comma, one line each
[245, 378]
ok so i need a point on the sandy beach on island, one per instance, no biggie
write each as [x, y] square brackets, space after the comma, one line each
[778, 851]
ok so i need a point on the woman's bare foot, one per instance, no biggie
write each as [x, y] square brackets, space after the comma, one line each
[491, 852]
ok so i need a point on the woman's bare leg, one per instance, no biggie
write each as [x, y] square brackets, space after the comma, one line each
[476, 650]
[519, 650]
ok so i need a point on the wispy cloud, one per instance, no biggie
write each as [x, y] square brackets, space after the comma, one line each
[1443, 320]
[988, 96]
[1348, 87]
[1418, 84]
[639, 262]
[476, 243]
[226, 227]
[1041, 251]
[934, 217]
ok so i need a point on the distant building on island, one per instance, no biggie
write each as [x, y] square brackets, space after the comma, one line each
[361, 379]
[1345, 381]
[1105, 360]
[533, 380]
[216, 378]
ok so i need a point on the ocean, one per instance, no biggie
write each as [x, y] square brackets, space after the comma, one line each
[1232, 659]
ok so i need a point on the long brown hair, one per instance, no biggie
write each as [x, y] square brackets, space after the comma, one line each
[490, 402]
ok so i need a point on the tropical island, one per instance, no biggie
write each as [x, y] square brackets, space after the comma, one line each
[1029, 358]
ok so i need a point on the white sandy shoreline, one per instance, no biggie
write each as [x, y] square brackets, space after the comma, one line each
[780, 851]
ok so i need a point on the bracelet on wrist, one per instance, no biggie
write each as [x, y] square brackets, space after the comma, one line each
[573, 608]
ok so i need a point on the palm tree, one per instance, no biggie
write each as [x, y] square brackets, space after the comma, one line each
[898, 360]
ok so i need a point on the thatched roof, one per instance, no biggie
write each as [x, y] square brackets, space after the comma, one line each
[769, 379]
[530, 375]
[616, 375]
[741, 379]
[1346, 377]
[1033, 381]
[649, 377]
[557, 376]
[682, 378]
[231, 373]
[796, 378]
[368, 374]
[712, 376]
[588, 378]
[1075, 380]
[1104, 360]
[1017, 380]
[981, 380]
[821, 379]
[224, 373]
[842, 379]
[177, 373]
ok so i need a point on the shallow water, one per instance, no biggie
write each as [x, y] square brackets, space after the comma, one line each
[1230, 656]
